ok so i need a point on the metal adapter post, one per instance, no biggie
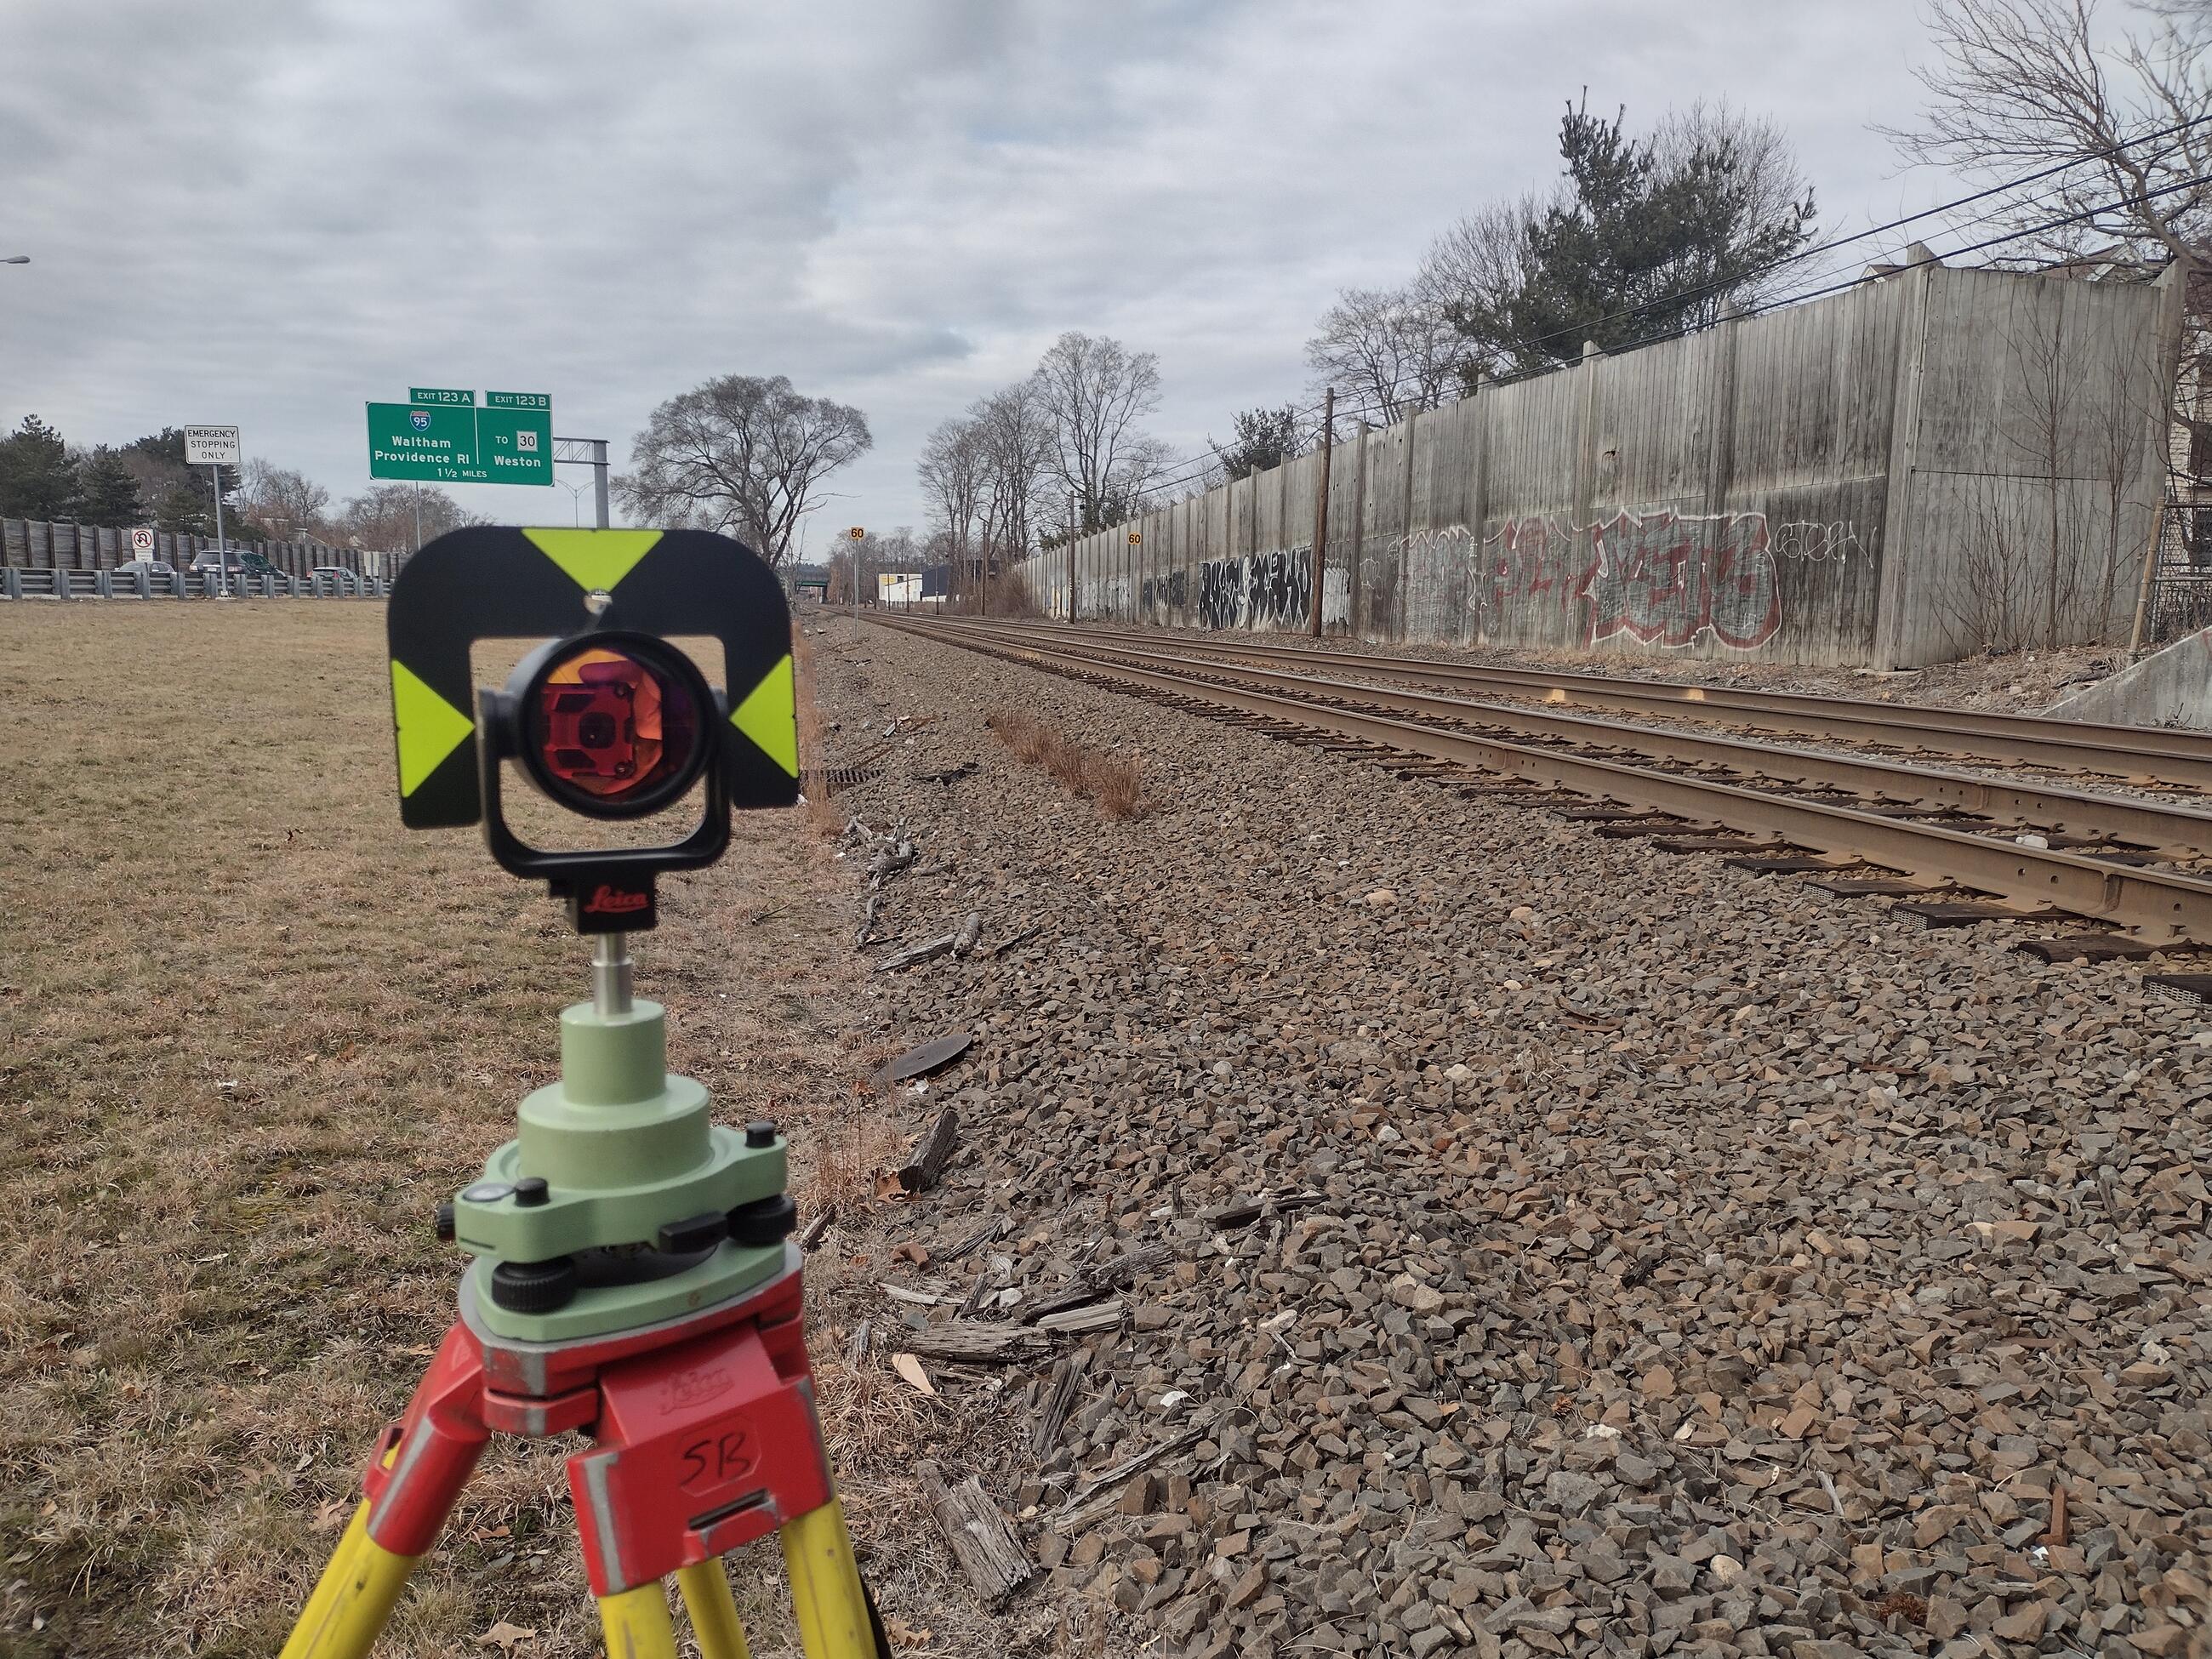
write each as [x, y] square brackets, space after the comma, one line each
[610, 975]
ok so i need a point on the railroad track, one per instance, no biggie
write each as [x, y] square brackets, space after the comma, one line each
[2140, 755]
[2042, 849]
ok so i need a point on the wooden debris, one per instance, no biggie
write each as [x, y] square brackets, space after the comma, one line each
[946, 774]
[1066, 1383]
[928, 950]
[921, 1171]
[971, 932]
[1120, 1472]
[1006, 945]
[974, 1342]
[856, 1346]
[993, 1229]
[1098, 1281]
[810, 1234]
[983, 1542]
[1246, 1211]
[1101, 1317]
[912, 1298]
[911, 1369]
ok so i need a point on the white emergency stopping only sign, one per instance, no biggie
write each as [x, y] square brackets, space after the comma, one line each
[211, 446]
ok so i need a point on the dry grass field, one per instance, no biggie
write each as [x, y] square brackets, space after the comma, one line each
[250, 1032]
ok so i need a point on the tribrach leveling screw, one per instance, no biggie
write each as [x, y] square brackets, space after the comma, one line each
[633, 1276]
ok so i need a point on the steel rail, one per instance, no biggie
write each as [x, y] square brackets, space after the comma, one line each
[2142, 753]
[2157, 825]
[2150, 903]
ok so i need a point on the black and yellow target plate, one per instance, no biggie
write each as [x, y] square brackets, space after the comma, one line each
[487, 583]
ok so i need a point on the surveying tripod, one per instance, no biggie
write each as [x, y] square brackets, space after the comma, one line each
[634, 1277]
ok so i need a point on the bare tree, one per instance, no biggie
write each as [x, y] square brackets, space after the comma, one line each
[1389, 351]
[385, 515]
[950, 472]
[1095, 390]
[288, 502]
[1765, 187]
[743, 454]
[2020, 85]
[1015, 432]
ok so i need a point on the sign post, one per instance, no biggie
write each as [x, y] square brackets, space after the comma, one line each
[858, 533]
[214, 447]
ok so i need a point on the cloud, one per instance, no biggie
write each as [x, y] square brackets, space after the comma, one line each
[272, 213]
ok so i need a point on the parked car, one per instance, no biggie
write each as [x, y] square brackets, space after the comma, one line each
[141, 566]
[240, 561]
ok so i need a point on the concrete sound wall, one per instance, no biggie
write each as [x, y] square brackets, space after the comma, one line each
[1897, 475]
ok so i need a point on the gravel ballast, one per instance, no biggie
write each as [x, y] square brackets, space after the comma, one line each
[1384, 1221]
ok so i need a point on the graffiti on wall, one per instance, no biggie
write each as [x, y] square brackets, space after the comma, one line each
[1662, 579]
[1168, 592]
[1666, 579]
[1270, 589]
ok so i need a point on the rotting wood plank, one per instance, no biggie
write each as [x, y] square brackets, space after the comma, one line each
[983, 1540]
[975, 1342]
[921, 1172]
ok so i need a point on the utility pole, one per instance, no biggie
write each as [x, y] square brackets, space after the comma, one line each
[1321, 507]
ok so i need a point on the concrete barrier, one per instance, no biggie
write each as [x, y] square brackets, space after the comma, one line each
[2170, 687]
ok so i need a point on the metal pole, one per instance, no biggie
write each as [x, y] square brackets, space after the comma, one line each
[418, 517]
[610, 975]
[599, 480]
[1321, 505]
[221, 557]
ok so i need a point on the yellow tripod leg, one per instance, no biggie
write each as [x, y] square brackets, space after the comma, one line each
[637, 1624]
[825, 1586]
[352, 1599]
[714, 1611]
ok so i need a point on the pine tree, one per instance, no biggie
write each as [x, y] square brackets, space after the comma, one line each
[1640, 240]
[1265, 438]
[37, 480]
[107, 495]
[185, 509]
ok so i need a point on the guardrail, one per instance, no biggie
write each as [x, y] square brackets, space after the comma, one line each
[165, 581]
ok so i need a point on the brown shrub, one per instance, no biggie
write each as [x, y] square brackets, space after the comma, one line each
[1115, 784]
[1010, 597]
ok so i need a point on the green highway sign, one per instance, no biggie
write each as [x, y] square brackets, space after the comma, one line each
[431, 394]
[431, 442]
[517, 400]
[516, 445]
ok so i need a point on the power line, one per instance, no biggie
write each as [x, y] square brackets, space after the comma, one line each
[1366, 407]
[1370, 404]
[1799, 298]
[2014, 184]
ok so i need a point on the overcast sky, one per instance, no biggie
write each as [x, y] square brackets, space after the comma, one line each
[268, 214]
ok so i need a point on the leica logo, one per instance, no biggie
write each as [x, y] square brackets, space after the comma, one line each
[608, 902]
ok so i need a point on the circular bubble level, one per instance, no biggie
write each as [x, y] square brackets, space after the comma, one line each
[612, 725]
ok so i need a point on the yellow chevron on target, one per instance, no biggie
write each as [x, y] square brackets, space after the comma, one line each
[429, 727]
[595, 560]
[769, 716]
